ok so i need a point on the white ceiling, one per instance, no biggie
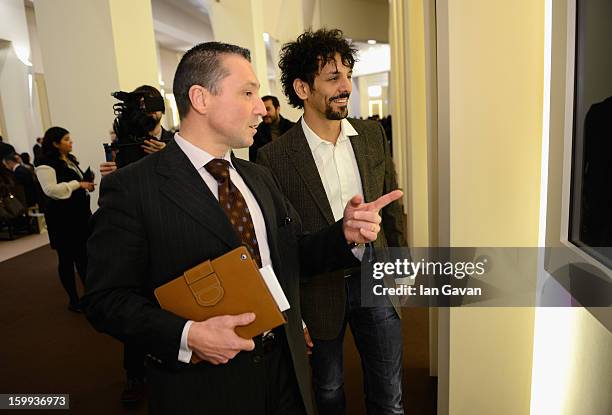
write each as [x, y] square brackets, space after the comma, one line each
[181, 24]
[196, 8]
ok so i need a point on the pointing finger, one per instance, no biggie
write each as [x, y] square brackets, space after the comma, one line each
[384, 200]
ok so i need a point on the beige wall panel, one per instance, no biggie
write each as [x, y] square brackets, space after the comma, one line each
[495, 90]
[360, 20]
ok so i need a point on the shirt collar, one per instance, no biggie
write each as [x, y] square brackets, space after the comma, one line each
[198, 157]
[346, 130]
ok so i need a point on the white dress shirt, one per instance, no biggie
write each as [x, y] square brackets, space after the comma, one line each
[338, 170]
[199, 158]
[337, 166]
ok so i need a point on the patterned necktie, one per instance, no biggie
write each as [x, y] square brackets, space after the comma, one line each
[233, 204]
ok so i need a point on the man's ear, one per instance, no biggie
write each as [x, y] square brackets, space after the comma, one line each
[301, 88]
[199, 97]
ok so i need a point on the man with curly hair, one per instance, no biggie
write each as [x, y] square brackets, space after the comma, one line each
[320, 163]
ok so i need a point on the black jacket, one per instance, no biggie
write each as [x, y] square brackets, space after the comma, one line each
[157, 218]
[67, 219]
[25, 178]
[263, 137]
[5, 149]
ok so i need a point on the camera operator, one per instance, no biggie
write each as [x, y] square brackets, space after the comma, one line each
[155, 139]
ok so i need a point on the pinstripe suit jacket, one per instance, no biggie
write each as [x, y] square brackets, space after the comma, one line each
[158, 218]
[323, 297]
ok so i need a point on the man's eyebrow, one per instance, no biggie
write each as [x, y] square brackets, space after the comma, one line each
[252, 84]
[336, 72]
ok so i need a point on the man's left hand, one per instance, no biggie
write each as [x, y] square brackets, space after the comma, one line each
[361, 221]
[153, 146]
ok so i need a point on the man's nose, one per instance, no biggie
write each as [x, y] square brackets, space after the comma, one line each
[346, 85]
[260, 108]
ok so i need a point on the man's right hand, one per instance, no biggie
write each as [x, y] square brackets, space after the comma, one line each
[107, 167]
[215, 340]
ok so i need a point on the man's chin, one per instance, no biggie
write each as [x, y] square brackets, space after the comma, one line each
[244, 142]
[336, 115]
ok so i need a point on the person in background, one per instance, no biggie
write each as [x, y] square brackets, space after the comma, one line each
[25, 161]
[273, 126]
[5, 148]
[36, 150]
[161, 135]
[23, 176]
[67, 210]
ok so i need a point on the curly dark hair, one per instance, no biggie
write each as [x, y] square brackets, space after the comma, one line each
[304, 58]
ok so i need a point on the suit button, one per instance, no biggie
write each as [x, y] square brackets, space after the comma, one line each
[257, 359]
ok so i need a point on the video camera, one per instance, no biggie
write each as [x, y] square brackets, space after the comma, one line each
[132, 125]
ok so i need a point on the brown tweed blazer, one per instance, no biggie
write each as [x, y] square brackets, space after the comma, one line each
[323, 299]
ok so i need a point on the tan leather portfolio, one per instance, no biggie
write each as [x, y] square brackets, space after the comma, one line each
[230, 284]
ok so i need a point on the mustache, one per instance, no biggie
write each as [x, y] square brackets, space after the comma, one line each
[340, 96]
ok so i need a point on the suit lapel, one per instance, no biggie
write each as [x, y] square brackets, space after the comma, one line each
[261, 193]
[362, 155]
[184, 186]
[300, 155]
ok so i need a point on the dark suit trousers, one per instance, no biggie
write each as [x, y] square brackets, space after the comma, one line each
[133, 360]
[273, 391]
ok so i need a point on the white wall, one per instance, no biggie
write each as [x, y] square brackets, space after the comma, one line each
[14, 28]
[36, 56]
[38, 71]
[14, 89]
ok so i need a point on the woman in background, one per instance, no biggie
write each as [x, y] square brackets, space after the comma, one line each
[67, 211]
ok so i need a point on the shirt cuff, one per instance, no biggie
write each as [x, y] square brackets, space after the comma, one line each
[185, 352]
[74, 185]
[358, 251]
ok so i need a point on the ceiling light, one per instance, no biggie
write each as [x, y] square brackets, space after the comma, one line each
[371, 42]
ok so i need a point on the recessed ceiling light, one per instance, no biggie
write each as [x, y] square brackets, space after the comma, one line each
[371, 42]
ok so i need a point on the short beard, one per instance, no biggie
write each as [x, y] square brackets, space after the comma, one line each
[271, 119]
[330, 114]
[336, 115]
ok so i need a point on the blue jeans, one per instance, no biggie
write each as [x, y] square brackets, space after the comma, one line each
[378, 336]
